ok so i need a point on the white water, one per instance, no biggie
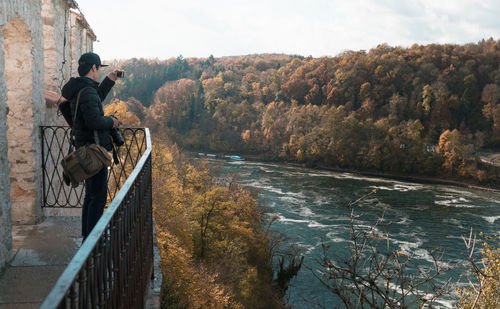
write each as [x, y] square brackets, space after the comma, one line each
[310, 205]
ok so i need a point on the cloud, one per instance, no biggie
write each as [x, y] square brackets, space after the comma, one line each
[163, 29]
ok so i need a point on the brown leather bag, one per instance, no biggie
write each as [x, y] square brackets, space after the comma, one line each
[86, 161]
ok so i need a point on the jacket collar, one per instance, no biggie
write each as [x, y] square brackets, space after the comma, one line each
[90, 80]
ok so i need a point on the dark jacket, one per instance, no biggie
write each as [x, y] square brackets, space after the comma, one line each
[90, 114]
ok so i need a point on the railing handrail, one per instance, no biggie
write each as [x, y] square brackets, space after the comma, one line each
[71, 272]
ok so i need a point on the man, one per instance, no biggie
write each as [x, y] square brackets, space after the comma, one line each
[90, 123]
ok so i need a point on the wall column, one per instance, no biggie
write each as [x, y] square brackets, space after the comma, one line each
[21, 154]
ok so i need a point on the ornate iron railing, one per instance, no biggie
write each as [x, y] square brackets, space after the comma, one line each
[113, 267]
[55, 145]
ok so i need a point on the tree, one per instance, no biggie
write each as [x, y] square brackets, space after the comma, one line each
[490, 96]
[178, 104]
[452, 149]
[491, 110]
[427, 100]
[470, 97]
[120, 110]
[484, 281]
[398, 107]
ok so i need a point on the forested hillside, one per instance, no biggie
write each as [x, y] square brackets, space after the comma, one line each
[421, 110]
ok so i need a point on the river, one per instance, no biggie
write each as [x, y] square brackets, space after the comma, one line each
[310, 208]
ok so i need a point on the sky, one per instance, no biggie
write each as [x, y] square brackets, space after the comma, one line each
[199, 28]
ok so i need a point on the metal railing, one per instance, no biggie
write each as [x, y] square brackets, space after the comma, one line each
[55, 145]
[113, 267]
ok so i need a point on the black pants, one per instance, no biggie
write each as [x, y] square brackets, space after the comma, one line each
[96, 189]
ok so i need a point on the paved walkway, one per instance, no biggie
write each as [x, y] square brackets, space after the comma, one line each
[41, 253]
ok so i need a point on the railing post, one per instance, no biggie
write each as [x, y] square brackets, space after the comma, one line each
[44, 196]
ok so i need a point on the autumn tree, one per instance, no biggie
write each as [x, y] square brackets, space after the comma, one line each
[452, 149]
[178, 104]
[122, 111]
[483, 289]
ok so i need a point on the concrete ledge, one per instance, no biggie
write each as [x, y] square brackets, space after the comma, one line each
[62, 212]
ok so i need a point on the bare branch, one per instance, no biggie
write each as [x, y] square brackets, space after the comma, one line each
[371, 278]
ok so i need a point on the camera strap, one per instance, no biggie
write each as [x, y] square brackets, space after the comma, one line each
[116, 158]
[72, 136]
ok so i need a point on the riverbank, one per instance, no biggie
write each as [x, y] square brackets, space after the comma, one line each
[413, 178]
[388, 175]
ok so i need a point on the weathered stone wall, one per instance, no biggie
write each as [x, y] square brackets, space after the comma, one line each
[88, 42]
[84, 42]
[50, 52]
[81, 40]
[76, 42]
[5, 204]
[21, 108]
[57, 52]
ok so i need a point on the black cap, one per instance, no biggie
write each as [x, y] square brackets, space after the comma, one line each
[90, 59]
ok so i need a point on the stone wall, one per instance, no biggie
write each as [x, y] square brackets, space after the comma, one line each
[80, 43]
[76, 42]
[57, 57]
[88, 41]
[21, 109]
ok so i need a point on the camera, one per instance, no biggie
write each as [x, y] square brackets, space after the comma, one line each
[120, 74]
[117, 137]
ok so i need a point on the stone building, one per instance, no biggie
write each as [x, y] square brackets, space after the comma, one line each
[40, 43]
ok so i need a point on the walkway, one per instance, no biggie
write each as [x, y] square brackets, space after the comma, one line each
[41, 253]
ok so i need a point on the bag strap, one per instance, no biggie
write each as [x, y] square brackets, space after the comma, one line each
[96, 136]
[78, 102]
[71, 135]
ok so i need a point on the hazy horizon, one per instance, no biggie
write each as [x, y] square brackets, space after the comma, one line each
[291, 55]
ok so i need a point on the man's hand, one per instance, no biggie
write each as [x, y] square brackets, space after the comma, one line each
[116, 123]
[53, 99]
[112, 75]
